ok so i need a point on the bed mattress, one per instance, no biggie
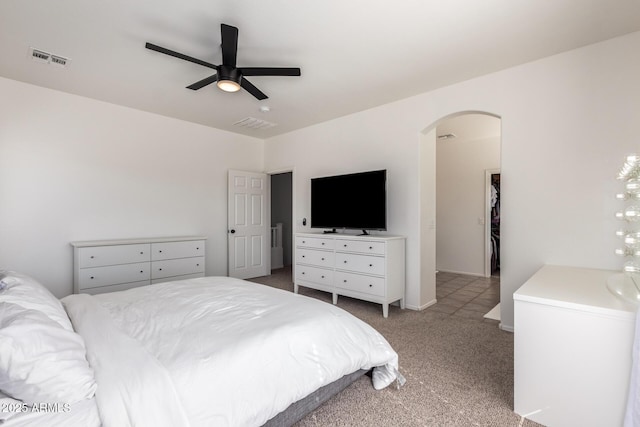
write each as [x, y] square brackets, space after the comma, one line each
[218, 351]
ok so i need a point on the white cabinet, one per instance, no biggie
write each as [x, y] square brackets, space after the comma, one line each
[572, 348]
[371, 268]
[114, 265]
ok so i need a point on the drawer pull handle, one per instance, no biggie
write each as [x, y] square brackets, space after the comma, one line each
[370, 247]
[141, 271]
[141, 253]
[92, 257]
[345, 261]
[304, 241]
[303, 272]
[345, 246]
[322, 277]
[197, 265]
[370, 265]
[197, 249]
[345, 280]
[160, 251]
[303, 256]
[160, 269]
[322, 259]
[91, 277]
[322, 243]
[370, 285]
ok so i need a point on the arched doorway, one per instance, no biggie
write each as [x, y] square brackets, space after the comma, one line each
[456, 152]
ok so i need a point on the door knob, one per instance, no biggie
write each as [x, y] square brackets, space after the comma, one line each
[232, 231]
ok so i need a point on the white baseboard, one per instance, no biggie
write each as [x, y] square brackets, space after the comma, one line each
[421, 307]
[506, 328]
[466, 273]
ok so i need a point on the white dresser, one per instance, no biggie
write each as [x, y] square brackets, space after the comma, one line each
[370, 268]
[573, 346]
[115, 265]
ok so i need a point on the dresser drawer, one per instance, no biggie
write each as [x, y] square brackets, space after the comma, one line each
[314, 274]
[314, 242]
[171, 250]
[359, 283]
[111, 255]
[113, 275]
[360, 263]
[367, 247]
[176, 267]
[314, 257]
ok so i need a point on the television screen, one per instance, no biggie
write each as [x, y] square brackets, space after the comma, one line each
[354, 201]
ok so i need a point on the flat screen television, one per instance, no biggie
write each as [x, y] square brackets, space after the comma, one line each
[354, 201]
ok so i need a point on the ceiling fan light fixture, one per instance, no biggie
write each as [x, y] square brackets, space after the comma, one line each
[228, 78]
[228, 85]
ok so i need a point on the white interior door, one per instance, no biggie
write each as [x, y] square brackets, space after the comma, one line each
[248, 233]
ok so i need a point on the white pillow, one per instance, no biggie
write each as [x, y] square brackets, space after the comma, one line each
[25, 291]
[40, 361]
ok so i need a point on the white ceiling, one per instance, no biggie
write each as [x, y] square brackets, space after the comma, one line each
[354, 54]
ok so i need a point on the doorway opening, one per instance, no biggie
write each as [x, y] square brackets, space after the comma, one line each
[281, 221]
[467, 149]
[456, 153]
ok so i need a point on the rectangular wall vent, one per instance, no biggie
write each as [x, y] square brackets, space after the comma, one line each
[47, 58]
[253, 123]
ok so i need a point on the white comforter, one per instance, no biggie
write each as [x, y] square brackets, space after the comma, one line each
[217, 351]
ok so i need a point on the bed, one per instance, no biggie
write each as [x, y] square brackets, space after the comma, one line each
[197, 352]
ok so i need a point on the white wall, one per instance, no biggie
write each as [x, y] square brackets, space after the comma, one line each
[567, 122]
[460, 202]
[353, 144]
[427, 222]
[72, 168]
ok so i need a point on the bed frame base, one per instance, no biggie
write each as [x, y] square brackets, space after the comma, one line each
[298, 410]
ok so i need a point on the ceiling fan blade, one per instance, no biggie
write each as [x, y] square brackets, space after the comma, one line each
[252, 89]
[269, 71]
[204, 82]
[178, 55]
[229, 45]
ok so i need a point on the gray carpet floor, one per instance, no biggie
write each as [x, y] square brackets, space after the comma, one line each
[459, 370]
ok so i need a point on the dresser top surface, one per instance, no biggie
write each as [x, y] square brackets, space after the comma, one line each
[113, 242]
[577, 288]
[352, 236]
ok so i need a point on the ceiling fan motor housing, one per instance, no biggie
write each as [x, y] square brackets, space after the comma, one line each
[226, 72]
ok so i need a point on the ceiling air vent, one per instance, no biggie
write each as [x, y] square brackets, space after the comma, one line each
[39, 55]
[47, 58]
[253, 123]
[59, 60]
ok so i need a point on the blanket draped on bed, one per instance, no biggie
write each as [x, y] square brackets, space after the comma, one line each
[218, 351]
[132, 381]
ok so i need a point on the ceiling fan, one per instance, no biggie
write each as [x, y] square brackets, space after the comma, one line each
[229, 78]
